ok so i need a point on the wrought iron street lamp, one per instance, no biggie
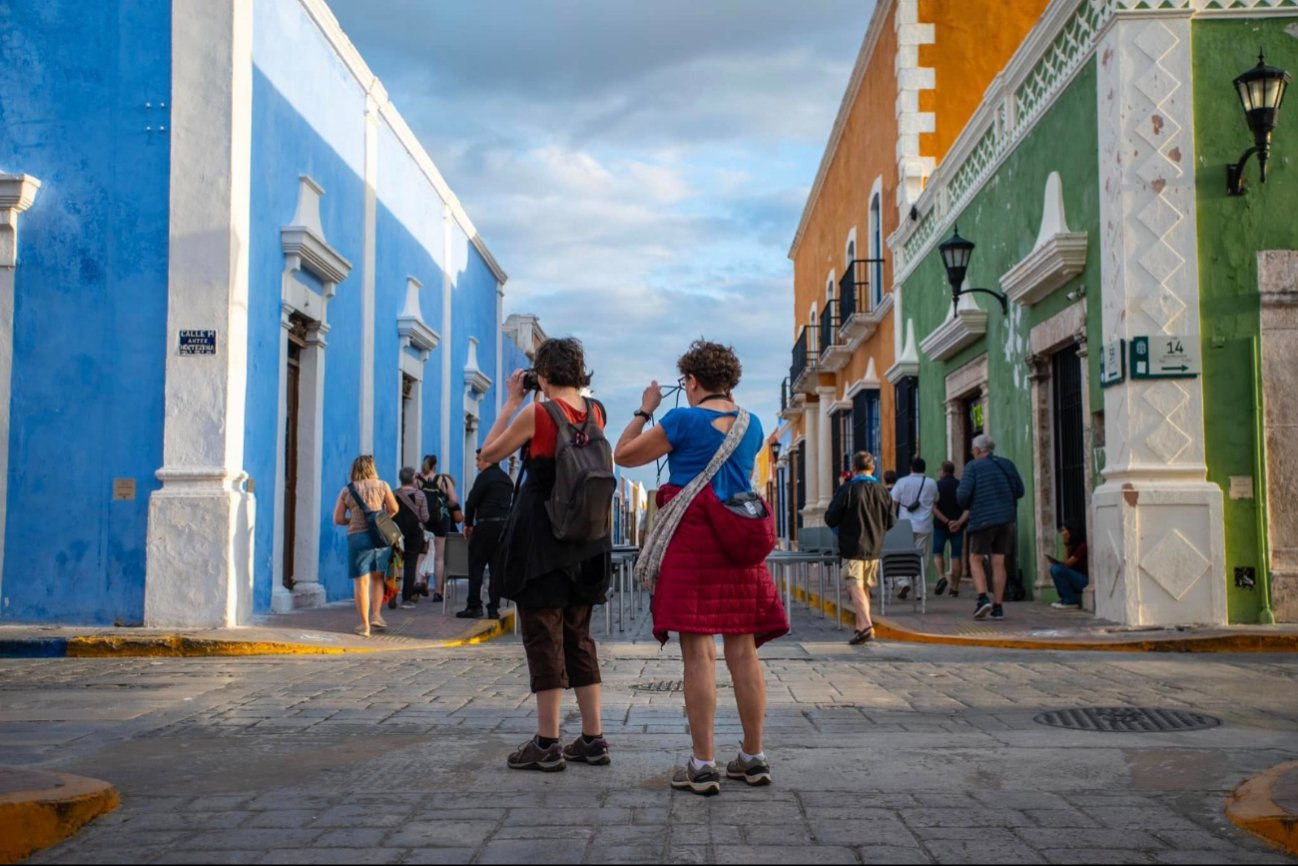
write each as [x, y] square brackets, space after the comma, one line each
[775, 452]
[956, 253]
[1261, 90]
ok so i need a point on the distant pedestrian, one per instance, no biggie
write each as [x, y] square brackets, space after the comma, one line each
[990, 489]
[949, 520]
[862, 512]
[1070, 574]
[485, 513]
[412, 514]
[366, 562]
[555, 582]
[443, 516]
[424, 479]
[710, 550]
[914, 496]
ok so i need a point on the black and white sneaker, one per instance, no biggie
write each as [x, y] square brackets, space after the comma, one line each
[754, 771]
[704, 782]
[940, 587]
[998, 612]
[982, 607]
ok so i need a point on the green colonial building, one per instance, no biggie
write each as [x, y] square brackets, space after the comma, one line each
[1144, 372]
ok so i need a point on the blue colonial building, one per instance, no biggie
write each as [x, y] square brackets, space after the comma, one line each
[237, 270]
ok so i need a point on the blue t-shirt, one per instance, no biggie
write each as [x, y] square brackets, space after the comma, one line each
[694, 441]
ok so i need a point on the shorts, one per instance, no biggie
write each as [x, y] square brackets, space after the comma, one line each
[364, 558]
[942, 535]
[559, 648]
[863, 571]
[997, 540]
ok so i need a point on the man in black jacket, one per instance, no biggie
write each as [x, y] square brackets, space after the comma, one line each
[862, 513]
[485, 513]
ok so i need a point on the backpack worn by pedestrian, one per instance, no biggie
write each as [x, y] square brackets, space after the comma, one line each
[580, 503]
[384, 531]
[439, 507]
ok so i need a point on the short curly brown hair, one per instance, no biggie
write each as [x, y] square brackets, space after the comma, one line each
[716, 367]
[562, 362]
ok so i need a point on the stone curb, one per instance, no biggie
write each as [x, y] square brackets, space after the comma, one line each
[35, 819]
[886, 629]
[188, 646]
[1252, 808]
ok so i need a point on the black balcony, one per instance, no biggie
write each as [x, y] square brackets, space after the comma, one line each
[784, 396]
[854, 295]
[803, 359]
[829, 327]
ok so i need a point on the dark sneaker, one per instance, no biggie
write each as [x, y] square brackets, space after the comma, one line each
[581, 752]
[470, 613]
[904, 592]
[408, 605]
[955, 593]
[756, 771]
[998, 612]
[530, 756]
[982, 607]
[493, 612]
[437, 596]
[940, 587]
[861, 635]
[705, 782]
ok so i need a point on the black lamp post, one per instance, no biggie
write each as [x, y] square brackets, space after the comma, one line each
[956, 253]
[1261, 90]
[775, 452]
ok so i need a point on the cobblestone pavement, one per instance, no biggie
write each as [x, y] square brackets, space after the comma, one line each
[883, 753]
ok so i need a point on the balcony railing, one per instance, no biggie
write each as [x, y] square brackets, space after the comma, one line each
[803, 357]
[784, 396]
[854, 295]
[829, 327]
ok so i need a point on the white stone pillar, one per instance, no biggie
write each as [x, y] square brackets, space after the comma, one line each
[199, 570]
[17, 194]
[825, 447]
[373, 101]
[1277, 284]
[812, 514]
[1158, 549]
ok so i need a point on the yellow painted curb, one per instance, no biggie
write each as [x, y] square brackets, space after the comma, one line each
[181, 646]
[1252, 808]
[32, 820]
[886, 629]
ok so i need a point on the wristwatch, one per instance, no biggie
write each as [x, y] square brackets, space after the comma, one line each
[640, 413]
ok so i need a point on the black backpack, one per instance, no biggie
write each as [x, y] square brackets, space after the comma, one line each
[580, 503]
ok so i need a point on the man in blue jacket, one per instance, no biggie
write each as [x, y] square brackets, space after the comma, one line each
[990, 490]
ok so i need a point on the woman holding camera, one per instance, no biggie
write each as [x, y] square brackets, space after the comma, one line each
[713, 578]
[554, 584]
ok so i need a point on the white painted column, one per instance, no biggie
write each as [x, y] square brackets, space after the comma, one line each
[812, 514]
[373, 100]
[1158, 548]
[17, 194]
[825, 450]
[501, 373]
[448, 334]
[199, 570]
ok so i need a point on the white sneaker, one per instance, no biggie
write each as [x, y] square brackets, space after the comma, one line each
[1059, 605]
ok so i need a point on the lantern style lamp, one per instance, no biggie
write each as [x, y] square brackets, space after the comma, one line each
[775, 452]
[1261, 90]
[956, 253]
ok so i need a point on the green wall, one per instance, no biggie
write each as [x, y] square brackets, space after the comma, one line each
[1231, 231]
[1003, 220]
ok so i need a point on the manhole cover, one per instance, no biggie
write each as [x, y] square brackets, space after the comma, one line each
[1126, 719]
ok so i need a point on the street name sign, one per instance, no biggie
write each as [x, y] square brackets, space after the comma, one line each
[197, 343]
[1113, 363]
[1165, 356]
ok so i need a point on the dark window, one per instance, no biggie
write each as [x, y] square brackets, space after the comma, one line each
[1070, 456]
[865, 422]
[800, 483]
[836, 449]
[906, 424]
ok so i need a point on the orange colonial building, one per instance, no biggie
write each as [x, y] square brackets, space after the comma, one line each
[921, 72]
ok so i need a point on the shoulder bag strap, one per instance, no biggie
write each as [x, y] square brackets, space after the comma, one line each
[406, 500]
[669, 518]
[359, 502]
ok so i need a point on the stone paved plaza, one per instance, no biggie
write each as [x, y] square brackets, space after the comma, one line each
[884, 753]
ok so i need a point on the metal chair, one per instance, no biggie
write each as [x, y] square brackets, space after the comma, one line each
[457, 564]
[899, 559]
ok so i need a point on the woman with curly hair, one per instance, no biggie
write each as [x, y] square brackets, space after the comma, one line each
[713, 578]
[554, 584]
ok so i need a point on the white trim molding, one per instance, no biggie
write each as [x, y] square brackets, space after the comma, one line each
[476, 386]
[17, 194]
[913, 166]
[862, 325]
[870, 381]
[411, 327]
[304, 238]
[907, 363]
[1058, 256]
[966, 325]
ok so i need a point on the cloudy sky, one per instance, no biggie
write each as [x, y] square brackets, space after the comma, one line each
[637, 167]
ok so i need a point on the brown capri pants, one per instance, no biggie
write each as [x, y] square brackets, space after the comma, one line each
[560, 651]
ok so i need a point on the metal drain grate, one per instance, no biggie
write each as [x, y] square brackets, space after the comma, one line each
[1132, 720]
[660, 686]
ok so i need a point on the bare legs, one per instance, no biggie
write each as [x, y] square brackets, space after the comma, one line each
[956, 573]
[439, 562]
[368, 596]
[548, 711]
[376, 598]
[700, 654]
[861, 603]
[979, 569]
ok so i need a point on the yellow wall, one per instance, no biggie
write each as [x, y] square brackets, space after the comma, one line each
[974, 41]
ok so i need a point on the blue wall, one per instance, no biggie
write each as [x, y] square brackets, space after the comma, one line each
[90, 337]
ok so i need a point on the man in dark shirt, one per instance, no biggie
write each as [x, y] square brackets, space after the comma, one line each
[948, 526]
[485, 513]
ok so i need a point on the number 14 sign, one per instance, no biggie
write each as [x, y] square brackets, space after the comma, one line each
[1165, 356]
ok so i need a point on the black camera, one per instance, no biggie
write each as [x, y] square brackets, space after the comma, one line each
[530, 382]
